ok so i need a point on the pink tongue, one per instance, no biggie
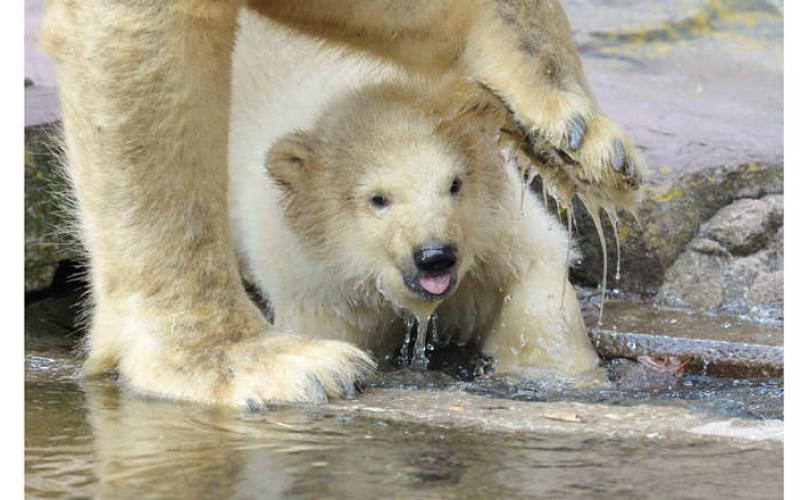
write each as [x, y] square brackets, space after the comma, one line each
[435, 285]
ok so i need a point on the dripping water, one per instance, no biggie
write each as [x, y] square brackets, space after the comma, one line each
[594, 211]
[544, 193]
[419, 360]
[409, 323]
[566, 267]
[615, 230]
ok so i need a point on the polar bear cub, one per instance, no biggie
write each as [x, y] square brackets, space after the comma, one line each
[388, 207]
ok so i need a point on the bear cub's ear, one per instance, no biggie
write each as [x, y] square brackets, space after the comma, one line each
[290, 160]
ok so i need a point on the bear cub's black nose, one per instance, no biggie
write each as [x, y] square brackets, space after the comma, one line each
[435, 258]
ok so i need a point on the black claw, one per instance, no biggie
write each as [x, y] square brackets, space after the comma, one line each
[629, 168]
[618, 156]
[317, 390]
[577, 127]
[253, 405]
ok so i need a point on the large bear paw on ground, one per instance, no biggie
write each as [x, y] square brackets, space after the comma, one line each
[291, 369]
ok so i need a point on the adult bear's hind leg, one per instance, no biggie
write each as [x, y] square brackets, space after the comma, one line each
[145, 90]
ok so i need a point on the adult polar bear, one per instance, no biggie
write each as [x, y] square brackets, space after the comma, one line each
[145, 90]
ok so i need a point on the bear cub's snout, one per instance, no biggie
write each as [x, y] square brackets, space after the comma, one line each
[435, 258]
[434, 263]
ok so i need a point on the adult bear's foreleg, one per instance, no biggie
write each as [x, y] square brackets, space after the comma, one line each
[145, 91]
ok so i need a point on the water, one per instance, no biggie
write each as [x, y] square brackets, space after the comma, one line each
[419, 360]
[418, 324]
[413, 434]
[409, 324]
[595, 211]
[631, 315]
[93, 441]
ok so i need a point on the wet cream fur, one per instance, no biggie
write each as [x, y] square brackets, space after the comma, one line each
[332, 268]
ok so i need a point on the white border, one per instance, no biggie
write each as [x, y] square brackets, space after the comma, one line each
[12, 203]
[791, 104]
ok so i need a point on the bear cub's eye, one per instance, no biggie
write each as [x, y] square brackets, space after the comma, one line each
[455, 187]
[379, 201]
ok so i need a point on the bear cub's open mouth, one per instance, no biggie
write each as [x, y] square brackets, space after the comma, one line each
[434, 263]
[431, 287]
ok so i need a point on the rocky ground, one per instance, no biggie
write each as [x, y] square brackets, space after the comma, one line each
[698, 85]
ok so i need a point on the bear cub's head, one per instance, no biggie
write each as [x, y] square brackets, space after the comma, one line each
[386, 194]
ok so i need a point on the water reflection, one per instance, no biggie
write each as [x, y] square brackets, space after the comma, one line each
[93, 440]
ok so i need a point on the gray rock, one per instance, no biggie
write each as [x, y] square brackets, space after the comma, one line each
[734, 263]
[745, 226]
[668, 221]
[698, 86]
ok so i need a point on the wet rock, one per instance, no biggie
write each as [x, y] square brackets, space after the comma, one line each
[735, 262]
[47, 239]
[698, 86]
[460, 410]
[647, 372]
[700, 356]
[668, 220]
[54, 317]
[745, 226]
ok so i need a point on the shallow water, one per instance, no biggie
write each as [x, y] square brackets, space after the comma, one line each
[93, 439]
[632, 316]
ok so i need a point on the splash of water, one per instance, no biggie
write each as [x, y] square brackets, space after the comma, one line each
[409, 322]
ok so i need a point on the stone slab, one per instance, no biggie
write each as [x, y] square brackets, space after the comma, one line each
[463, 410]
[704, 357]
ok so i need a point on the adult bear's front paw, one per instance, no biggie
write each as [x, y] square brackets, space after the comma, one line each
[291, 369]
[590, 149]
[578, 149]
[523, 53]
